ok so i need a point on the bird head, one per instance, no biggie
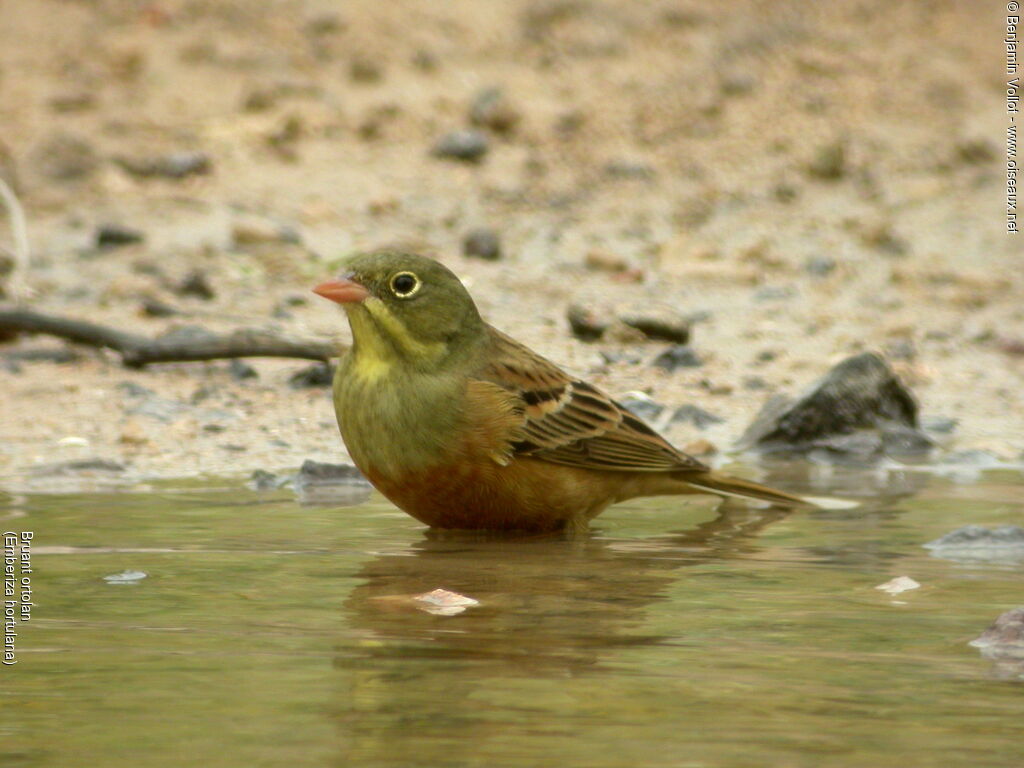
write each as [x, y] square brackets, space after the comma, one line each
[404, 307]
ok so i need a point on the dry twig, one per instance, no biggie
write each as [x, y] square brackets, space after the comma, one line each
[138, 351]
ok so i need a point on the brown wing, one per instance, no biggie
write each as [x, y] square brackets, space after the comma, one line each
[568, 421]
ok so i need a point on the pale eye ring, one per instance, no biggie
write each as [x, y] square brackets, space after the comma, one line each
[405, 285]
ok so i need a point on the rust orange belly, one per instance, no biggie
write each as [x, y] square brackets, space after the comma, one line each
[527, 494]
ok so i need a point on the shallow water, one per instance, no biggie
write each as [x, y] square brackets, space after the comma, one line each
[678, 634]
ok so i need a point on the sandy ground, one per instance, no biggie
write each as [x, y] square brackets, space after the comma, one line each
[814, 179]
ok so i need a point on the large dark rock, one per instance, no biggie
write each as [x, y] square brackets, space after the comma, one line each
[973, 543]
[860, 408]
[1003, 644]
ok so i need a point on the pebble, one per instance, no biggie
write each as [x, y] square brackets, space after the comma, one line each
[259, 230]
[59, 355]
[315, 375]
[125, 577]
[365, 70]
[154, 307]
[174, 165]
[1005, 638]
[196, 284]
[660, 325]
[482, 243]
[696, 416]
[73, 101]
[322, 483]
[469, 146]
[262, 480]
[65, 157]
[899, 584]
[829, 162]
[585, 324]
[941, 424]
[116, 235]
[629, 169]
[443, 602]
[600, 261]
[240, 370]
[677, 356]
[976, 151]
[700, 448]
[642, 406]
[1004, 544]
[77, 466]
[491, 109]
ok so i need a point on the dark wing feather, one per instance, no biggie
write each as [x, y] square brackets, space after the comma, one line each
[568, 421]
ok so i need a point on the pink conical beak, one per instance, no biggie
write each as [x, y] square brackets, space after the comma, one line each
[342, 291]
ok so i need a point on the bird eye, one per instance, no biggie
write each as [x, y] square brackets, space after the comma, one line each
[405, 284]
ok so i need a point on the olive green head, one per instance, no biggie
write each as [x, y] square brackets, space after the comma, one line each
[404, 307]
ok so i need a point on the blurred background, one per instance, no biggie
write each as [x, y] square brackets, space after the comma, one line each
[794, 182]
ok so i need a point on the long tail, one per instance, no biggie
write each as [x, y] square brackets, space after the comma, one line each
[727, 485]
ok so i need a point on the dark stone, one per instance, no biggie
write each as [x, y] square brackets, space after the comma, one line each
[627, 169]
[974, 458]
[901, 349]
[64, 157]
[696, 416]
[664, 327]
[620, 356]
[643, 408]
[73, 101]
[736, 83]
[57, 355]
[677, 356]
[829, 162]
[1003, 644]
[1005, 638]
[466, 145]
[63, 468]
[976, 151]
[312, 472]
[820, 266]
[132, 389]
[196, 283]
[941, 424]
[482, 243]
[774, 293]
[364, 70]
[754, 382]
[115, 235]
[975, 542]
[785, 193]
[585, 324]
[491, 109]
[240, 370]
[174, 165]
[903, 440]
[319, 483]
[860, 407]
[316, 375]
[261, 480]
[154, 307]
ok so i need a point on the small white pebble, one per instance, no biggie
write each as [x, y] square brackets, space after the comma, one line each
[442, 602]
[78, 442]
[124, 577]
[899, 584]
